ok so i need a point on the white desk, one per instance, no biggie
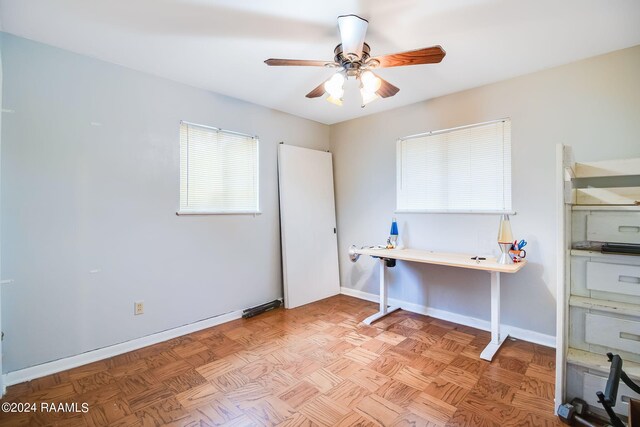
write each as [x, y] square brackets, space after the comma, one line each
[451, 260]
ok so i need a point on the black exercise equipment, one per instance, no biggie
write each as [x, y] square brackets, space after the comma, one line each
[610, 395]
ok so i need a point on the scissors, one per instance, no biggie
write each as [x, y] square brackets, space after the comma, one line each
[521, 244]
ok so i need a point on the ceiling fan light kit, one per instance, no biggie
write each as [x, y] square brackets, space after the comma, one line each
[353, 56]
[370, 84]
[335, 87]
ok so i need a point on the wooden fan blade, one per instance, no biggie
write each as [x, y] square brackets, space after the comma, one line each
[352, 32]
[299, 62]
[386, 89]
[427, 55]
[317, 92]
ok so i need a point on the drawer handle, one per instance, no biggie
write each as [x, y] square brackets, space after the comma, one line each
[629, 279]
[628, 336]
[628, 229]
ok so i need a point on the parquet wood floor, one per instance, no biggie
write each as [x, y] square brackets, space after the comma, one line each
[312, 366]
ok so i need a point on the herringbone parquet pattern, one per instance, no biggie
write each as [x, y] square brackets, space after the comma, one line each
[315, 365]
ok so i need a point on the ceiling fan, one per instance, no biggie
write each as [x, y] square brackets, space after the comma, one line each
[353, 56]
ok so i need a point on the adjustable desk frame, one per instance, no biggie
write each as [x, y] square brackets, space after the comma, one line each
[453, 260]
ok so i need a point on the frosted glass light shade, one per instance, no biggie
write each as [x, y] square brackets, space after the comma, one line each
[504, 232]
[369, 85]
[368, 97]
[334, 86]
[370, 82]
[333, 100]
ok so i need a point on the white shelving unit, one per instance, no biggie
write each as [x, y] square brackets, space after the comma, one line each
[598, 293]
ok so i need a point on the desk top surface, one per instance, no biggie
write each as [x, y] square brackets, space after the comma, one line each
[443, 258]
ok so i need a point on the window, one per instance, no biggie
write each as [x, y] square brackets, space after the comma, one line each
[218, 171]
[466, 169]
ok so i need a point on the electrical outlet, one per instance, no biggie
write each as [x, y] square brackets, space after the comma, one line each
[138, 308]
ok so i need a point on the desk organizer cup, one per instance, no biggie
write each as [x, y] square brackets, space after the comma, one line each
[516, 252]
[517, 255]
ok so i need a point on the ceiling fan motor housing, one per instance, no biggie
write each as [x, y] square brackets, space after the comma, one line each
[350, 62]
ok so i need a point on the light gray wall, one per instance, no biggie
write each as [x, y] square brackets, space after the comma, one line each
[1, 75]
[78, 197]
[592, 105]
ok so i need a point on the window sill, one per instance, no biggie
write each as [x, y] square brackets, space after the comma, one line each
[181, 213]
[454, 211]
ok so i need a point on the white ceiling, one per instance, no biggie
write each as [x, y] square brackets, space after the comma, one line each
[220, 45]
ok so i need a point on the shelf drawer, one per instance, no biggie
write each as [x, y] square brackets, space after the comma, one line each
[612, 332]
[616, 228]
[606, 277]
[617, 278]
[599, 332]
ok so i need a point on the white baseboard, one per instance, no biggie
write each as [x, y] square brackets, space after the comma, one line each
[485, 325]
[48, 368]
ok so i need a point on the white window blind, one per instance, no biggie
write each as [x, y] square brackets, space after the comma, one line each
[466, 169]
[218, 171]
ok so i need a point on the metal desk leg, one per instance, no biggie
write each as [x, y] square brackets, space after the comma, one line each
[496, 339]
[384, 308]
